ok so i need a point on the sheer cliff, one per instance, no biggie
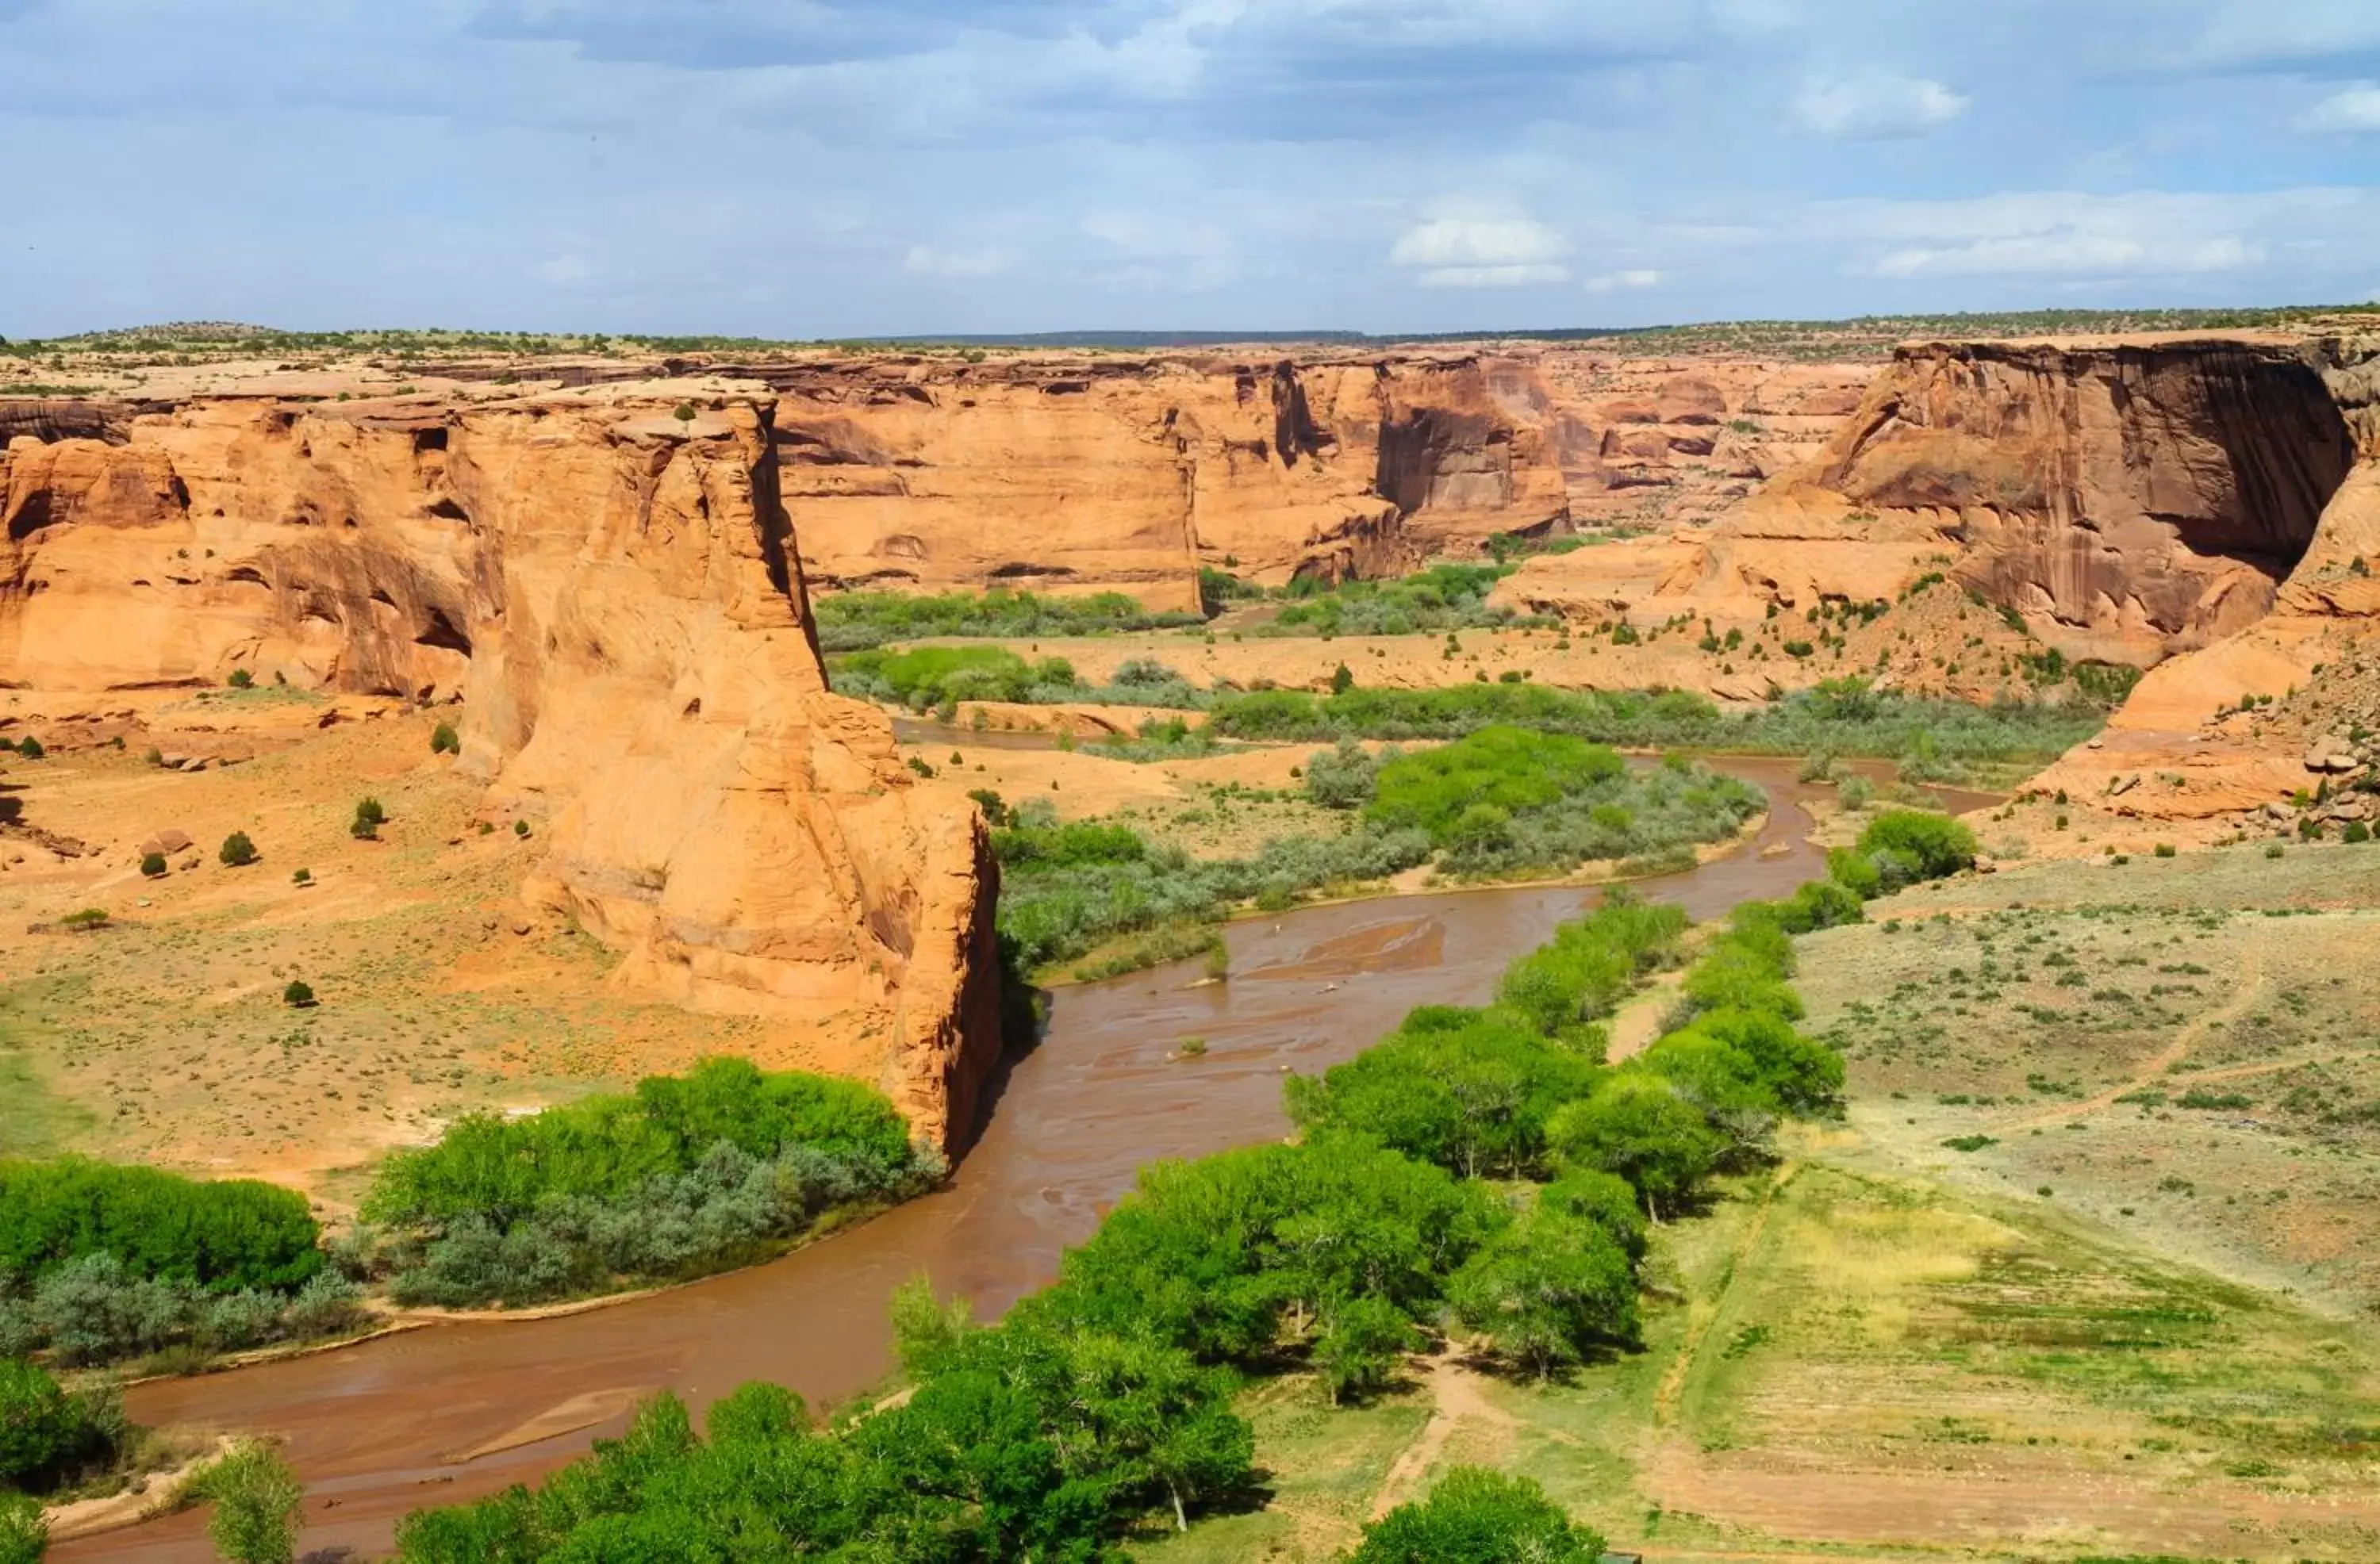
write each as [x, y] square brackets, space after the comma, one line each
[613, 593]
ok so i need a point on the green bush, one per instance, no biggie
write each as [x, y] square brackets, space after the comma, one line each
[1476, 1516]
[686, 1173]
[1501, 769]
[856, 620]
[370, 818]
[39, 1426]
[223, 1235]
[257, 1505]
[445, 740]
[30, 749]
[1917, 845]
[24, 1534]
[153, 865]
[237, 851]
[298, 995]
[241, 679]
[1840, 716]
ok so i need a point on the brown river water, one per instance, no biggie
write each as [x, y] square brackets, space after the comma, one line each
[454, 1411]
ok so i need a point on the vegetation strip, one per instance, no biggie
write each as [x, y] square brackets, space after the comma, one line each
[1101, 1408]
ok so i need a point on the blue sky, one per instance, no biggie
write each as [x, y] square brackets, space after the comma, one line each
[843, 167]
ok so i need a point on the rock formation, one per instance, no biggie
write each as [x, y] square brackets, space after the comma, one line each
[613, 593]
[2130, 499]
[2287, 703]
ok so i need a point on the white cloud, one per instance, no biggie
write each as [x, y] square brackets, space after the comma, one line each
[1612, 282]
[926, 260]
[2067, 252]
[2069, 234]
[2353, 111]
[1474, 241]
[1483, 252]
[1875, 108]
[1492, 276]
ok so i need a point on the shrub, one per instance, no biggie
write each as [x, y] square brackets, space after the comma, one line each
[2165, 850]
[256, 1499]
[301, 877]
[85, 918]
[370, 818]
[31, 748]
[298, 995]
[237, 851]
[2356, 831]
[1455, 791]
[24, 1534]
[445, 740]
[685, 1173]
[1476, 1516]
[39, 1425]
[222, 1235]
[153, 865]
[241, 679]
[1343, 778]
[1924, 846]
[520, 829]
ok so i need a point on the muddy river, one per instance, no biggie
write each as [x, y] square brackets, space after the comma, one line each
[437, 1415]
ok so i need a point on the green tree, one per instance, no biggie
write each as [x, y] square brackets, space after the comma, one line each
[1360, 1342]
[925, 1329]
[153, 865]
[24, 1535]
[38, 1422]
[1546, 1289]
[1342, 679]
[298, 995]
[1639, 1127]
[370, 818]
[256, 1499]
[237, 851]
[1475, 1516]
[445, 740]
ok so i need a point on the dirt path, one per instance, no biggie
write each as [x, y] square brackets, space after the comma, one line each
[1456, 1396]
[2243, 998]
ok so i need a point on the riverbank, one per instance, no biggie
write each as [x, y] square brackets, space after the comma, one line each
[385, 1426]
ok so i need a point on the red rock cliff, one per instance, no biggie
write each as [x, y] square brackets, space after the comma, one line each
[616, 594]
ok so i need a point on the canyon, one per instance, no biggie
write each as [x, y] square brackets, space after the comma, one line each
[606, 569]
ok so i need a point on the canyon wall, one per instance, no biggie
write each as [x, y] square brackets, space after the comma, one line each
[1107, 473]
[2130, 499]
[613, 593]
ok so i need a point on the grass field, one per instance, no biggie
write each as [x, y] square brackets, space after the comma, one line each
[2126, 1318]
[1847, 1364]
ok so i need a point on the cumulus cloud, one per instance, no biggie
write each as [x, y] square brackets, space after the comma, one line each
[1874, 108]
[1483, 252]
[2353, 111]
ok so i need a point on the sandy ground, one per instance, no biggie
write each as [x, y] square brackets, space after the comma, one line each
[164, 1035]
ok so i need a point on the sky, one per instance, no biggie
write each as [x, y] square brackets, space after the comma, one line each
[834, 168]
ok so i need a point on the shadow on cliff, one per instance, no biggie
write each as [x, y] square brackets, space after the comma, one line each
[1024, 1020]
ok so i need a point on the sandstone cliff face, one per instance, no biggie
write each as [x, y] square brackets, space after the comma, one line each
[2182, 748]
[2130, 499]
[1123, 475]
[615, 594]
